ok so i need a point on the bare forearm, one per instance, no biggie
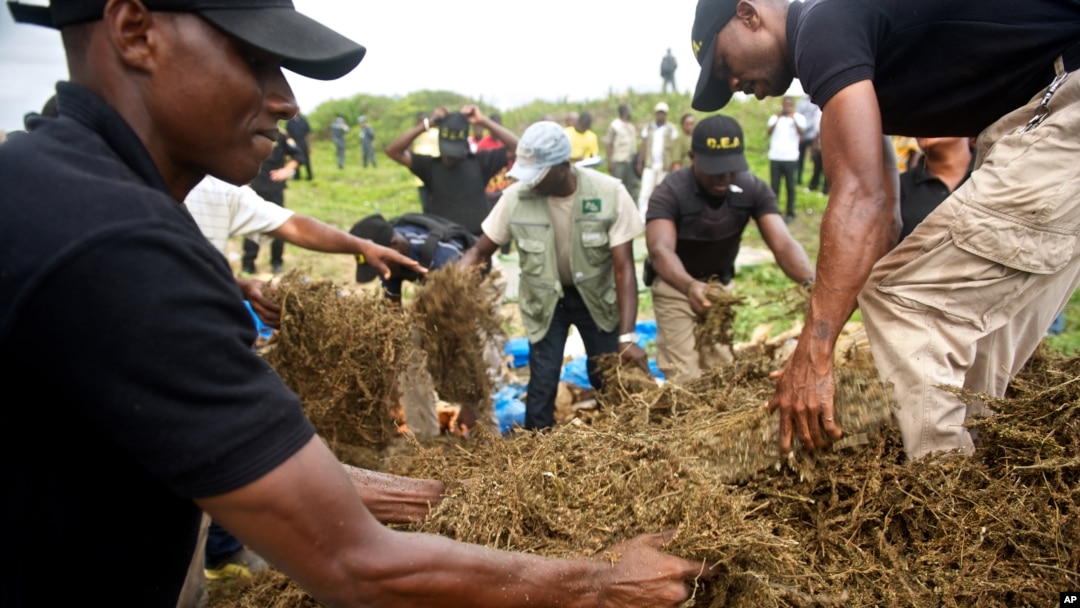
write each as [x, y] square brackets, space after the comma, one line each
[626, 294]
[501, 133]
[312, 234]
[398, 149]
[394, 499]
[670, 268]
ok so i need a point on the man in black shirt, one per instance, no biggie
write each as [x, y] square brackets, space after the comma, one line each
[945, 164]
[457, 178]
[270, 184]
[693, 230]
[163, 410]
[299, 130]
[966, 298]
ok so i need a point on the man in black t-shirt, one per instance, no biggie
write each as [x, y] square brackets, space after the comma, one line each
[163, 410]
[695, 222]
[966, 298]
[456, 179]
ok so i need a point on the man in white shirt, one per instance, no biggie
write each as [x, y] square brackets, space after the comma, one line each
[785, 132]
[223, 211]
[655, 160]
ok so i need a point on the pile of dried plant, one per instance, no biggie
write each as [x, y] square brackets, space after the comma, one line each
[458, 314]
[716, 328]
[855, 526]
[340, 353]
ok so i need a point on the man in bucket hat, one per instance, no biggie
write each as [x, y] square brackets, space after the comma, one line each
[574, 231]
[156, 406]
[967, 297]
[693, 229]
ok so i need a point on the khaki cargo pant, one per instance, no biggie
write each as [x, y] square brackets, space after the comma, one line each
[676, 354]
[969, 295]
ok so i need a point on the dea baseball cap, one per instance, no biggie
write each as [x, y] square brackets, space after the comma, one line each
[306, 46]
[718, 145]
[542, 146]
[454, 136]
[711, 94]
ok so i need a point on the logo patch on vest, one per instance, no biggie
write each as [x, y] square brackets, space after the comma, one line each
[590, 205]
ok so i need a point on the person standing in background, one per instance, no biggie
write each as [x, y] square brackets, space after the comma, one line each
[298, 129]
[786, 129]
[338, 129]
[367, 141]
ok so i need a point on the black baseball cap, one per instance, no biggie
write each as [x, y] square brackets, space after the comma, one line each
[306, 46]
[711, 94]
[454, 135]
[376, 229]
[718, 145]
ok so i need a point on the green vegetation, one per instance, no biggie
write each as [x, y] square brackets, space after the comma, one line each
[341, 197]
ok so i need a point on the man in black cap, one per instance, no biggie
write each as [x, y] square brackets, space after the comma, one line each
[967, 297]
[163, 409]
[456, 179]
[430, 240]
[693, 229]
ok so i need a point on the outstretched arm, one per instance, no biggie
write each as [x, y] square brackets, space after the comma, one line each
[310, 233]
[479, 253]
[307, 519]
[790, 255]
[857, 229]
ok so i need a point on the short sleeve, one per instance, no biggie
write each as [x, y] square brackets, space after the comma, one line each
[497, 223]
[663, 202]
[165, 371]
[628, 223]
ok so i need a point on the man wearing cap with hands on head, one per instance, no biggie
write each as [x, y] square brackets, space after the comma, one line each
[966, 298]
[655, 158]
[164, 411]
[693, 229]
[574, 231]
[457, 179]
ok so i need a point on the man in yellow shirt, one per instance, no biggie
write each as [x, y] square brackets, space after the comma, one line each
[583, 142]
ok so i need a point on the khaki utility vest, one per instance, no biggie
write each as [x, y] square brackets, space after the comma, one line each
[595, 209]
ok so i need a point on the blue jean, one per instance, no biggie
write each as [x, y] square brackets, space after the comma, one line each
[546, 357]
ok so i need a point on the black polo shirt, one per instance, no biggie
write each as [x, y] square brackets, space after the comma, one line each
[920, 193]
[126, 349]
[940, 68]
[458, 193]
[709, 229]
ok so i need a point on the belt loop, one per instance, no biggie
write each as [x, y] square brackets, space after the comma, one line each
[1059, 65]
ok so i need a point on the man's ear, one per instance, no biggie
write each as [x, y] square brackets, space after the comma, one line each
[133, 32]
[747, 12]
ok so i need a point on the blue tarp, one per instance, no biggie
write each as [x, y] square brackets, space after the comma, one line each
[509, 409]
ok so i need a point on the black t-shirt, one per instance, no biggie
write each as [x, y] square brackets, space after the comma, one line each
[709, 229]
[132, 387]
[940, 68]
[457, 193]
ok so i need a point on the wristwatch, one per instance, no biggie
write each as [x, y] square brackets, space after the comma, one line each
[630, 337]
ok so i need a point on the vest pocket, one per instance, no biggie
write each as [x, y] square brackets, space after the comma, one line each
[531, 256]
[594, 242]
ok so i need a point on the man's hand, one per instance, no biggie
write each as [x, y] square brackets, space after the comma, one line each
[804, 398]
[378, 256]
[641, 575]
[268, 310]
[698, 294]
[473, 113]
[438, 114]
[632, 354]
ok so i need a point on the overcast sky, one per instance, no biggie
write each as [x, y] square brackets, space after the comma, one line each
[507, 51]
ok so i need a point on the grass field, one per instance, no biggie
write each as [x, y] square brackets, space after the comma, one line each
[341, 197]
